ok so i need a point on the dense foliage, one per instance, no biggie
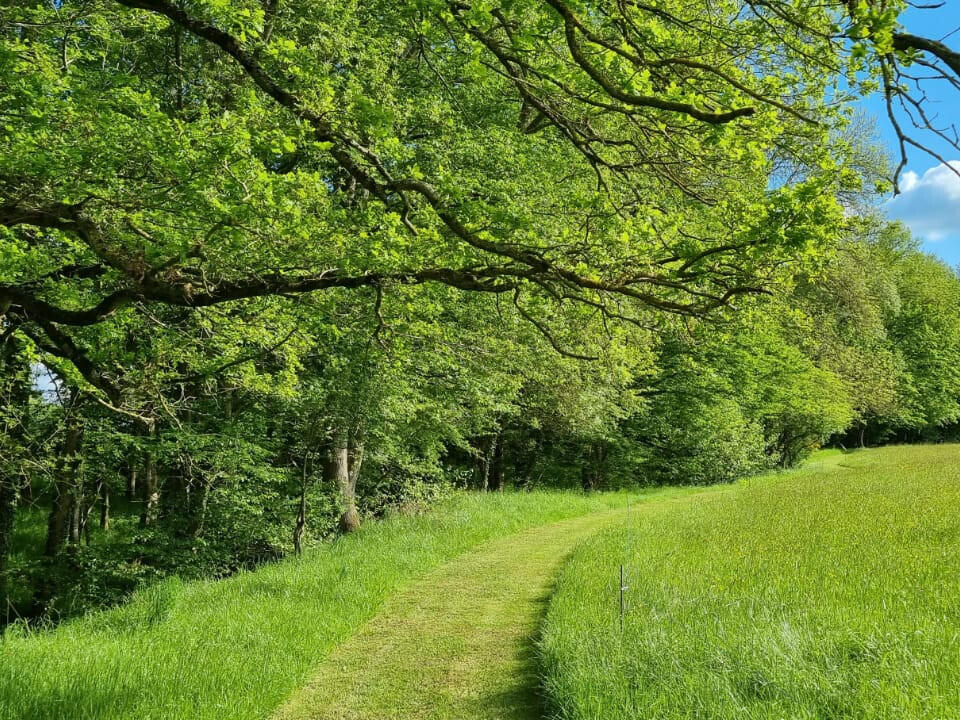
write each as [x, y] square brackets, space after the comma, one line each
[269, 268]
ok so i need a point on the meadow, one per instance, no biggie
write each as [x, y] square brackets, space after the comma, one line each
[238, 647]
[826, 592]
[822, 593]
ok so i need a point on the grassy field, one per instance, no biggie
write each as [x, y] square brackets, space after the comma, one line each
[824, 593]
[459, 644]
[238, 648]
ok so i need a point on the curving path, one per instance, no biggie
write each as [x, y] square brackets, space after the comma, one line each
[459, 644]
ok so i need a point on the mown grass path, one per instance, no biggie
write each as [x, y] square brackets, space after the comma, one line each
[460, 643]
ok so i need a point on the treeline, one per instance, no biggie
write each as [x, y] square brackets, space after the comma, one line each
[267, 269]
[249, 454]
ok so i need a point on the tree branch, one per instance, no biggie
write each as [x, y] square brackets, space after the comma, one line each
[906, 41]
[571, 23]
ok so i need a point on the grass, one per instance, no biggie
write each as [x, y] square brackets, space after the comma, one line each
[239, 647]
[828, 592]
[457, 644]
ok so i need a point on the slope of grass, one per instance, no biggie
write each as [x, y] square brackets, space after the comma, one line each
[237, 648]
[457, 644]
[824, 593]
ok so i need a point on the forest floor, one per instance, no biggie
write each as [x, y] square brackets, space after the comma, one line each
[459, 643]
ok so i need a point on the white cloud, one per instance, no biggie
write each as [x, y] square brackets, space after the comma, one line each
[929, 204]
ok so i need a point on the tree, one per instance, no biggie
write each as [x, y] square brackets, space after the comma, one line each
[870, 41]
[927, 334]
[609, 158]
[14, 399]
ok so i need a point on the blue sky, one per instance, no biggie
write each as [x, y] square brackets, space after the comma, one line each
[930, 194]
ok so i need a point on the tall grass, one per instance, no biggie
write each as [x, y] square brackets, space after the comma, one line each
[238, 647]
[825, 593]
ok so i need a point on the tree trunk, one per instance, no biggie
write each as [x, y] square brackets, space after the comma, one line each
[26, 494]
[197, 490]
[87, 510]
[526, 463]
[586, 478]
[592, 475]
[602, 450]
[60, 522]
[151, 492]
[64, 521]
[178, 510]
[104, 505]
[496, 465]
[201, 503]
[301, 523]
[342, 469]
[132, 482]
[76, 516]
[192, 481]
[228, 403]
[481, 469]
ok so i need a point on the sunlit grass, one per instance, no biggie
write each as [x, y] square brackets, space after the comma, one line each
[237, 648]
[828, 592]
[455, 645]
